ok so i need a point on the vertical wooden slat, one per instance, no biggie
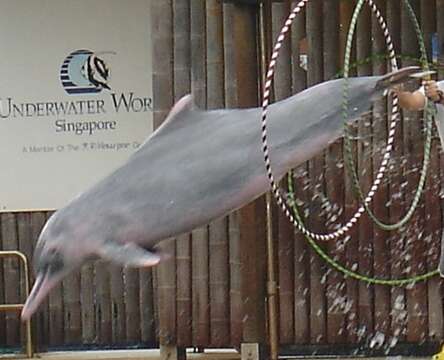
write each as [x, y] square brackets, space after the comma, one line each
[55, 317]
[346, 10]
[301, 287]
[230, 82]
[427, 18]
[198, 52]
[162, 20]
[200, 290]
[26, 243]
[184, 285]
[218, 229]
[336, 292]
[381, 250]
[397, 208]
[416, 295]
[25, 246]
[166, 275]
[161, 16]
[432, 228]
[285, 233]
[40, 319]
[71, 303]
[200, 256]
[11, 270]
[182, 86]
[235, 282]
[146, 290]
[219, 295]
[350, 202]
[252, 232]
[87, 301]
[132, 310]
[103, 307]
[55, 313]
[117, 303]
[147, 308]
[318, 308]
[364, 163]
[182, 48]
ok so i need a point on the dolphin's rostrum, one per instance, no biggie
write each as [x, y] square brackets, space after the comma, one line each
[199, 165]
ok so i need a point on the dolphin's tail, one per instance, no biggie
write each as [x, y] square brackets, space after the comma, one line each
[397, 77]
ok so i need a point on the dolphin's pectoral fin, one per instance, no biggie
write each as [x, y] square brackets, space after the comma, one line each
[128, 254]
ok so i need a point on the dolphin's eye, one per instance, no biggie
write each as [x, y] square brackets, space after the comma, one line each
[52, 261]
[40, 267]
[56, 264]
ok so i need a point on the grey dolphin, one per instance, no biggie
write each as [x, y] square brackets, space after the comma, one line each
[199, 165]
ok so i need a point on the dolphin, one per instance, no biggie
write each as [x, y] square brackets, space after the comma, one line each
[197, 166]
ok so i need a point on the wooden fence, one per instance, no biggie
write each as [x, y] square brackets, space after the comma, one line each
[195, 299]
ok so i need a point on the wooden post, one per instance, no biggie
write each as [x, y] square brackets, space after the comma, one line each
[39, 330]
[350, 202]
[283, 238]
[163, 87]
[199, 245]
[364, 169]
[397, 208]
[318, 308]
[336, 320]
[252, 231]
[231, 92]
[117, 303]
[413, 149]
[218, 229]
[301, 257]
[381, 260]
[182, 86]
[265, 28]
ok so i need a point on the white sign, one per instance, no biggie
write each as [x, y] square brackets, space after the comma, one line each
[76, 95]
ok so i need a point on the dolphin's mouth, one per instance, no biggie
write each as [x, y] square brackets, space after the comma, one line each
[39, 290]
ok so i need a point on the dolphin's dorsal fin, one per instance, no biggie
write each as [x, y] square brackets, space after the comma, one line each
[180, 108]
[128, 254]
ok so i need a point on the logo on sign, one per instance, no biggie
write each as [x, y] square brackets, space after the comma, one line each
[84, 72]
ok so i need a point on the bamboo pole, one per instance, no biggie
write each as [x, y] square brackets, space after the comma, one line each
[264, 14]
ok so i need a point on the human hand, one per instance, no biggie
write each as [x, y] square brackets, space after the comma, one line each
[432, 91]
